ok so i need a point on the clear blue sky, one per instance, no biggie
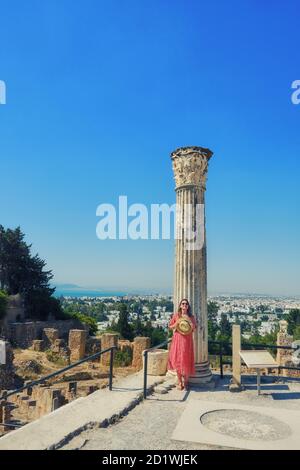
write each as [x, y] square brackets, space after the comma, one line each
[98, 95]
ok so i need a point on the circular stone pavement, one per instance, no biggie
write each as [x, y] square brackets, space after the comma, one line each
[242, 424]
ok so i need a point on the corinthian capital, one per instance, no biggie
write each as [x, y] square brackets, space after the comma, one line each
[190, 166]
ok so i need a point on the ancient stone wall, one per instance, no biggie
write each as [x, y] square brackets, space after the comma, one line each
[38, 401]
[21, 335]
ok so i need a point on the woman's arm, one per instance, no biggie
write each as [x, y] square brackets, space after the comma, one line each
[173, 321]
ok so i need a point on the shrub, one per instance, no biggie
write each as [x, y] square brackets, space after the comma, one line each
[87, 320]
[55, 358]
[123, 358]
[3, 303]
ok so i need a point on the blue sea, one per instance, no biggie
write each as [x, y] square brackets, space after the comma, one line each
[86, 293]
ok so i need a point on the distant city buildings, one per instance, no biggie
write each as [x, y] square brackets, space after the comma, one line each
[260, 314]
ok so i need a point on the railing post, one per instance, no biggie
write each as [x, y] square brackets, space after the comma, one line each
[111, 364]
[145, 373]
[221, 359]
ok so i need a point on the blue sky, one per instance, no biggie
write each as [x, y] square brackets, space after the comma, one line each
[98, 95]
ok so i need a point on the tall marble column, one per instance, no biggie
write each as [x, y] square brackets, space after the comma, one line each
[190, 166]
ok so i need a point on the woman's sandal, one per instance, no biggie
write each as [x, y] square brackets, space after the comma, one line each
[179, 387]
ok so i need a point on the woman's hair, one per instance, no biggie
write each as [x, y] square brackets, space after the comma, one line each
[189, 312]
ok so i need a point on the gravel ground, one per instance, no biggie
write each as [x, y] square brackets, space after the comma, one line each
[150, 424]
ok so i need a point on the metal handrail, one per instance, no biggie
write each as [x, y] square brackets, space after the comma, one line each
[60, 371]
[220, 353]
[265, 346]
[262, 346]
[145, 354]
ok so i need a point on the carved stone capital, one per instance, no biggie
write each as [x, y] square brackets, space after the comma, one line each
[190, 165]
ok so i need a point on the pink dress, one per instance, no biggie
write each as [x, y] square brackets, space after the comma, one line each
[181, 354]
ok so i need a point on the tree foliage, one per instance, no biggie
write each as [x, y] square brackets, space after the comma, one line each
[25, 273]
[3, 303]
[123, 327]
[212, 310]
[293, 320]
[130, 330]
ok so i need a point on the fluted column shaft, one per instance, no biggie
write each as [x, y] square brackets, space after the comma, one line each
[190, 166]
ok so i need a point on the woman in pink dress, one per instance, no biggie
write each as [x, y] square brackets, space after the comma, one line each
[181, 355]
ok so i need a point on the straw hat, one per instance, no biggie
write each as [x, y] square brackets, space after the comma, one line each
[184, 325]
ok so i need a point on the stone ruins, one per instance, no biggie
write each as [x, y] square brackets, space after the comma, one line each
[41, 399]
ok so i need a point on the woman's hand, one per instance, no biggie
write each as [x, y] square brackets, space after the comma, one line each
[174, 326]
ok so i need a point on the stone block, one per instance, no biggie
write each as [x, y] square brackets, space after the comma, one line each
[38, 345]
[139, 345]
[49, 336]
[107, 341]
[77, 340]
[157, 362]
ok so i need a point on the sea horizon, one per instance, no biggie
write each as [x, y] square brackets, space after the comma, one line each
[78, 291]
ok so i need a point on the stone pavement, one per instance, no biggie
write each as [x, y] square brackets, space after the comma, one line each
[120, 420]
[149, 426]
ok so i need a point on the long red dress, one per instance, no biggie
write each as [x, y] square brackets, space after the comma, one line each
[181, 354]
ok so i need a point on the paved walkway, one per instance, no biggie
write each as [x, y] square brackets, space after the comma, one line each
[150, 425]
[98, 409]
[120, 420]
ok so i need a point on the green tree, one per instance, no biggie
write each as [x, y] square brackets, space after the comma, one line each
[137, 327]
[293, 320]
[123, 326]
[24, 273]
[264, 318]
[225, 328]
[3, 303]
[152, 316]
[212, 310]
[157, 336]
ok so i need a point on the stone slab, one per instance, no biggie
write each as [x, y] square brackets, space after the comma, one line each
[239, 426]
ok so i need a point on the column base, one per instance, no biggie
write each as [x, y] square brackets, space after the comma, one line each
[203, 374]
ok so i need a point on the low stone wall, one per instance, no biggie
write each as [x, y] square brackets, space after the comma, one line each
[21, 335]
